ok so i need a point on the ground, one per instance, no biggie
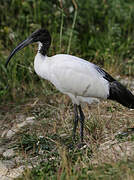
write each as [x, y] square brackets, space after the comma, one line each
[37, 134]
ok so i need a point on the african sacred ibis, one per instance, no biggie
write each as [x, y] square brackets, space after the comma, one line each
[81, 80]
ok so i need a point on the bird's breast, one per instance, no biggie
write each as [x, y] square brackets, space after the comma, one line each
[42, 66]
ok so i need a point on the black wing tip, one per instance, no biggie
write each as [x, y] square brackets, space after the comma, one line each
[121, 94]
[105, 75]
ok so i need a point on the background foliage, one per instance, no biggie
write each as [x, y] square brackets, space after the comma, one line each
[100, 31]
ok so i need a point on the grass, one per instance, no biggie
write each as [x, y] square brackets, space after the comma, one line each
[48, 147]
[108, 40]
[114, 171]
[99, 31]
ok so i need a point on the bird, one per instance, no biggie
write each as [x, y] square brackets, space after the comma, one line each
[80, 79]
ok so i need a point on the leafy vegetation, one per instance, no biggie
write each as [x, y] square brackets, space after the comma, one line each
[97, 30]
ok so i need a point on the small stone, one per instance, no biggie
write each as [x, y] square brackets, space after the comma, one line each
[16, 172]
[41, 152]
[9, 153]
[63, 135]
[20, 125]
[4, 133]
[1, 150]
[10, 133]
[18, 159]
[4, 178]
[9, 163]
[20, 118]
[30, 120]
[3, 169]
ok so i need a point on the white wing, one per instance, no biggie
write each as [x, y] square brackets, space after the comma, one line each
[73, 75]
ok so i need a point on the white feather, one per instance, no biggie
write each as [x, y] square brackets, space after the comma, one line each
[73, 76]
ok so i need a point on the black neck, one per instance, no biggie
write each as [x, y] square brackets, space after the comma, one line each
[43, 49]
[45, 44]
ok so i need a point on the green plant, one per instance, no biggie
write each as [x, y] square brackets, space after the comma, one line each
[102, 33]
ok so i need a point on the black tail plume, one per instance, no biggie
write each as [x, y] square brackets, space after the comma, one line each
[120, 94]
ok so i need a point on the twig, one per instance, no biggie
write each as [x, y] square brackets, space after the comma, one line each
[74, 20]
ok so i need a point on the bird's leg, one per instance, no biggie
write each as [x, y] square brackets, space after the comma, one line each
[75, 120]
[82, 117]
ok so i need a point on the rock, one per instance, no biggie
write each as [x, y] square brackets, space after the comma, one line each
[30, 119]
[9, 153]
[3, 169]
[19, 160]
[9, 163]
[4, 133]
[1, 150]
[10, 133]
[112, 151]
[5, 178]
[16, 128]
[16, 172]
[20, 118]
[20, 125]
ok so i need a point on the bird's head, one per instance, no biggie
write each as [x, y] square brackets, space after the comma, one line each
[40, 35]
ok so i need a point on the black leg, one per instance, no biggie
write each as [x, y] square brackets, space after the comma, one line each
[82, 117]
[75, 120]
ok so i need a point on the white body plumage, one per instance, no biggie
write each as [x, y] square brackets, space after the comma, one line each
[77, 78]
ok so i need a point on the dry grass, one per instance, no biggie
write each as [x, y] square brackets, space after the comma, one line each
[54, 120]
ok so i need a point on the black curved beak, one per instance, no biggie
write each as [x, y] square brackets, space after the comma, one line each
[19, 47]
